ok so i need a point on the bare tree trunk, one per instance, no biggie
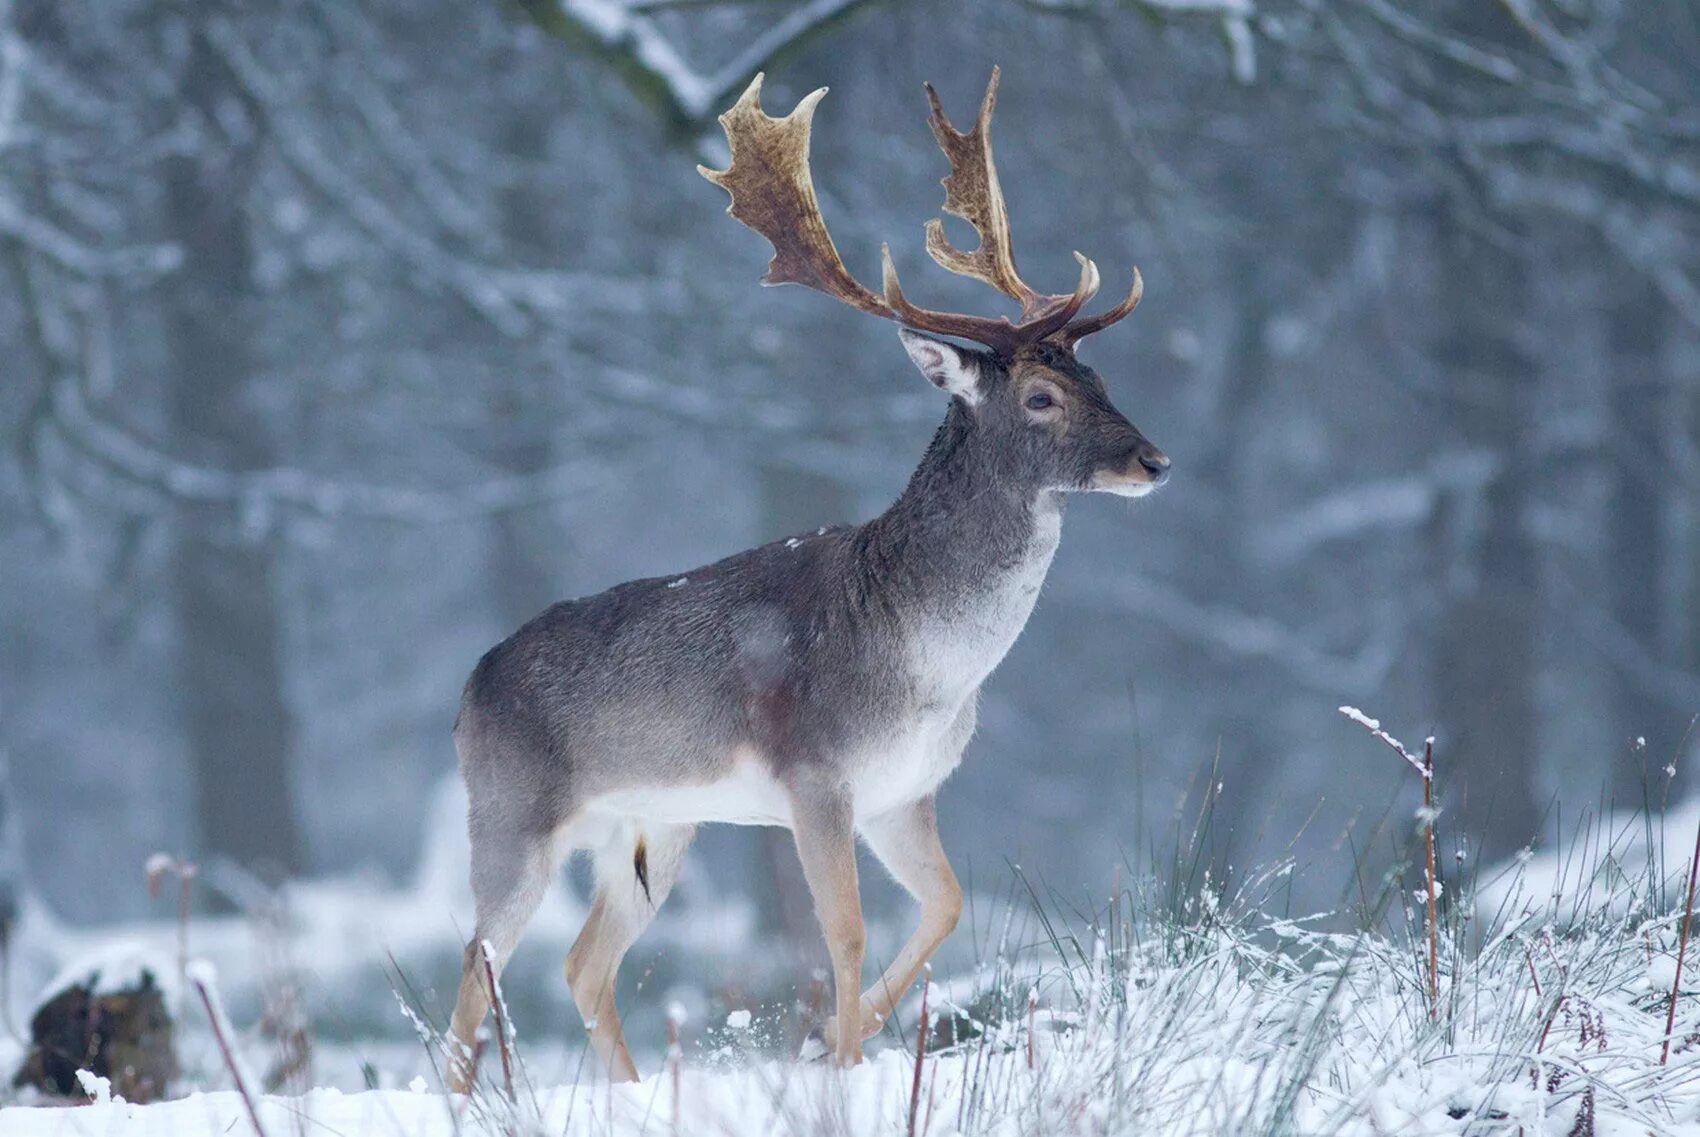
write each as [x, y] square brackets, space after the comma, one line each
[1483, 668]
[231, 674]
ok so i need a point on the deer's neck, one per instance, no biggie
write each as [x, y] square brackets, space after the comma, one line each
[962, 553]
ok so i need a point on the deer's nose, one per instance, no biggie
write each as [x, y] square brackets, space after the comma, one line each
[1156, 463]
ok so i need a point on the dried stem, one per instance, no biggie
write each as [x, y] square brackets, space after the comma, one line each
[229, 1058]
[675, 1059]
[1032, 1019]
[1424, 767]
[1681, 948]
[501, 1023]
[158, 865]
[185, 885]
[1428, 837]
[920, 1053]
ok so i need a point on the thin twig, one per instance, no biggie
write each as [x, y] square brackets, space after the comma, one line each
[216, 1020]
[920, 1052]
[501, 1021]
[157, 866]
[1374, 727]
[1433, 927]
[675, 1058]
[1032, 1018]
[1681, 948]
[1424, 767]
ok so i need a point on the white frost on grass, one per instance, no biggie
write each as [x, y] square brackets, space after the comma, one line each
[1203, 1030]
[1196, 1021]
[1611, 863]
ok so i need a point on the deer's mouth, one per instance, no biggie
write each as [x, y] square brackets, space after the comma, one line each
[1123, 484]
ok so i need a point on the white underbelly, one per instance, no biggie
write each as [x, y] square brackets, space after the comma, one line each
[748, 796]
[894, 773]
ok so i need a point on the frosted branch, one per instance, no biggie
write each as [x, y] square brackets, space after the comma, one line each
[1374, 727]
[507, 298]
[654, 66]
[260, 494]
[1235, 17]
[82, 259]
[1399, 502]
[1251, 636]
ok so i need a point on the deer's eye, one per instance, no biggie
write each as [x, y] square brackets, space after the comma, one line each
[1039, 401]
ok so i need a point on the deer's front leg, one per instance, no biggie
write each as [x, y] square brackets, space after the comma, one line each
[824, 825]
[906, 840]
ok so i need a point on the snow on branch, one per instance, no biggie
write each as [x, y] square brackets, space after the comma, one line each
[259, 498]
[259, 495]
[75, 256]
[1235, 17]
[1248, 635]
[1374, 727]
[1543, 122]
[654, 67]
[508, 298]
[1399, 502]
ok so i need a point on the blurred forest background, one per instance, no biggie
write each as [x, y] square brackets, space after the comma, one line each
[336, 340]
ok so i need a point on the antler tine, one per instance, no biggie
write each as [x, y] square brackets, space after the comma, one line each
[973, 193]
[996, 333]
[1056, 314]
[773, 193]
[1077, 330]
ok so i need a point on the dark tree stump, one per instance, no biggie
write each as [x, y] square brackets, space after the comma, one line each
[124, 1035]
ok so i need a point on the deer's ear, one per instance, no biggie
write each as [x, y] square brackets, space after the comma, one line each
[946, 366]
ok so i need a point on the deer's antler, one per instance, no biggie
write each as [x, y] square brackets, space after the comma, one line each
[773, 193]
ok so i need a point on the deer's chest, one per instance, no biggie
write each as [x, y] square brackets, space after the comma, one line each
[914, 763]
[956, 642]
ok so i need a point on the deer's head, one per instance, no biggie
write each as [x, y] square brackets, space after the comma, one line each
[1049, 414]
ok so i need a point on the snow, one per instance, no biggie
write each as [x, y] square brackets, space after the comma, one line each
[1220, 1036]
[1213, 1019]
[1217, 1020]
[99, 1089]
[117, 966]
[1374, 727]
[1616, 860]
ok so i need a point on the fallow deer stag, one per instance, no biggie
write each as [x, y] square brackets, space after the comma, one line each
[826, 683]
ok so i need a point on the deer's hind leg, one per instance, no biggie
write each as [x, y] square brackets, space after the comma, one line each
[512, 864]
[635, 870]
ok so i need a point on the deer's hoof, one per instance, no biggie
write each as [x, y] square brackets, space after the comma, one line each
[872, 1024]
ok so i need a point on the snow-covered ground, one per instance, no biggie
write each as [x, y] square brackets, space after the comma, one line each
[1223, 1031]
[1173, 1010]
[1158, 1017]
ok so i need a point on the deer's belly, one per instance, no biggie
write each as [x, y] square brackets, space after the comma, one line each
[747, 794]
[884, 775]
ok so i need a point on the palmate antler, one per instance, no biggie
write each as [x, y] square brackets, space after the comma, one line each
[773, 194]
